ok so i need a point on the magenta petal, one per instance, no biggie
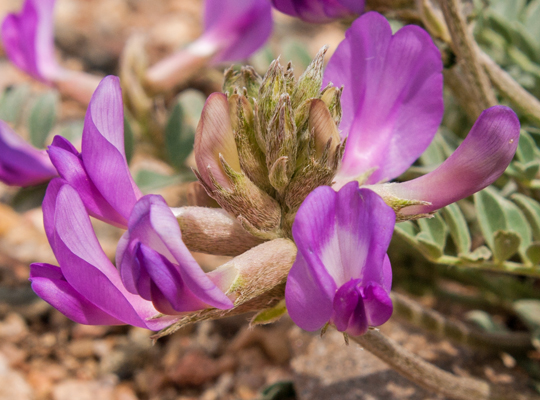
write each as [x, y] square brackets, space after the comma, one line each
[342, 240]
[28, 39]
[239, 27]
[84, 264]
[68, 162]
[392, 97]
[477, 163]
[103, 153]
[364, 227]
[345, 302]
[377, 304]
[166, 277]
[20, 163]
[309, 294]
[319, 11]
[153, 224]
[49, 283]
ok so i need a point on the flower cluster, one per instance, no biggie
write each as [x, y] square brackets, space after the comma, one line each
[300, 169]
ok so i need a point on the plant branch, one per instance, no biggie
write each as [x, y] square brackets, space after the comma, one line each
[465, 48]
[431, 377]
[457, 331]
[509, 88]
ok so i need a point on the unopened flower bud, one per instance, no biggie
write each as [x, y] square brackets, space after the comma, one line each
[309, 84]
[220, 173]
[246, 78]
[331, 96]
[281, 142]
[252, 159]
[324, 130]
[272, 87]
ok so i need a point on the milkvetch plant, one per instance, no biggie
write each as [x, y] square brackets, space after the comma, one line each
[268, 150]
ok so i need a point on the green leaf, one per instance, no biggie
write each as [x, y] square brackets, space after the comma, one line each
[270, 315]
[433, 230]
[179, 137]
[533, 253]
[511, 10]
[481, 253]
[12, 103]
[129, 140]
[531, 18]
[29, 198]
[491, 215]
[529, 312]
[526, 148]
[72, 131]
[459, 231]
[149, 181]
[505, 245]
[42, 118]
[407, 228]
[485, 322]
[516, 222]
[531, 209]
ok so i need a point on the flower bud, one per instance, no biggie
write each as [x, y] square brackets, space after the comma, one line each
[220, 173]
[246, 78]
[281, 144]
[309, 84]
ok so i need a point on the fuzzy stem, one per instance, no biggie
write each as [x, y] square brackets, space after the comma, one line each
[456, 331]
[429, 376]
[509, 88]
[213, 231]
[465, 48]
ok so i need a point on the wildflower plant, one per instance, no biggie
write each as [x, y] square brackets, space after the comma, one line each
[301, 178]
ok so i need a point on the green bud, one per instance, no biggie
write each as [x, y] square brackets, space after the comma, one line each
[309, 84]
[237, 81]
[252, 159]
[331, 96]
[272, 88]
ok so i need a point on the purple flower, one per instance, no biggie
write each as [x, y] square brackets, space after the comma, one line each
[100, 173]
[86, 288]
[392, 106]
[342, 273]
[20, 163]
[233, 30]
[155, 264]
[320, 11]
[477, 163]
[392, 96]
[28, 39]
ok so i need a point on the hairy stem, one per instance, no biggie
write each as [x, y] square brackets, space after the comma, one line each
[465, 48]
[509, 88]
[429, 376]
[213, 231]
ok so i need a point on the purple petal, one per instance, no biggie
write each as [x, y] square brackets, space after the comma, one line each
[477, 163]
[239, 27]
[392, 97]
[345, 302]
[103, 153]
[309, 294]
[319, 11]
[167, 279]
[69, 164]
[28, 39]
[20, 163]
[340, 237]
[83, 263]
[377, 304]
[153, 224]
[364, 228]
[49, 283]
